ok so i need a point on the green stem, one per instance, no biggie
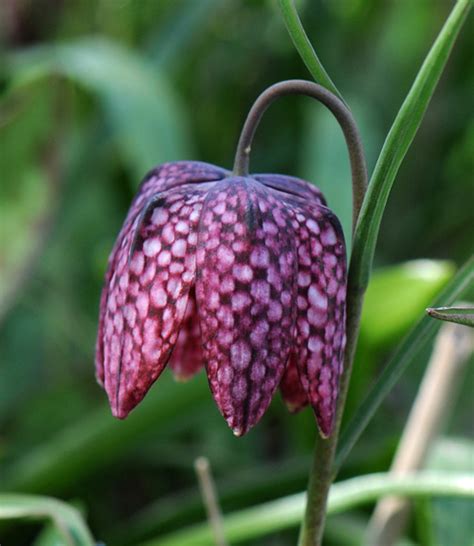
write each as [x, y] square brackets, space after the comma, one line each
[321, 473]
[367, 224]
[322, 470]
[304, 47]
[319, 482]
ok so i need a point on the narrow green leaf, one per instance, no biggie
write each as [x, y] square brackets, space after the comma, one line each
[66, 519]
[146, 118]
[408, 350]
[287, 512]
[459, 315]
[397, 144]
[304, 47]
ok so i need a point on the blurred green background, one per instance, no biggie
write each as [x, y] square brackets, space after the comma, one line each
[93, 93]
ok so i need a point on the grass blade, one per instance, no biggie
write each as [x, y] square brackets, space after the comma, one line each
[304, 47]
[287, 512]
[397, 143]
[66, 519]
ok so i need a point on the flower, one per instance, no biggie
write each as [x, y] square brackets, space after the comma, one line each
[243, 275]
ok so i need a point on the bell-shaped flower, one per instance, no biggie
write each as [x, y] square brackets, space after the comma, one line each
[243, 275]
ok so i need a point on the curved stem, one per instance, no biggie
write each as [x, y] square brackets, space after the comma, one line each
[322, 472]
[304, 47]
[340, 112]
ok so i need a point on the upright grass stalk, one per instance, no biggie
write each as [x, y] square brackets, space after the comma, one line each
[304, 47]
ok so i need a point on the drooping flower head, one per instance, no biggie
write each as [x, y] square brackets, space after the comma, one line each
[245, 276]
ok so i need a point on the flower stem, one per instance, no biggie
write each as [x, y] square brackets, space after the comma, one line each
[322, 470]
[320, 478]
[321, 474]
[337, 108]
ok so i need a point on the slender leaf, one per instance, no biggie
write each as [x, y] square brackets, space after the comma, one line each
[146, 118]
[304, 47]
[459, 315]
[287, 512]
[67, 519]
[398, 141]
[409, 349]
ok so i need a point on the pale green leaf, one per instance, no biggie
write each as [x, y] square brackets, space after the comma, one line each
[397, 296]
[67, 520]
[287, 512]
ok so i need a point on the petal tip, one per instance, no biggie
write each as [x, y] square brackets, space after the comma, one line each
[119, 413]
[100, 380]
[294, 407]
[181, 378]
[325, 426]
[238, 431]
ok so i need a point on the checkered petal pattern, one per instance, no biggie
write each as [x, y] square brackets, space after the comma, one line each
[245, 276]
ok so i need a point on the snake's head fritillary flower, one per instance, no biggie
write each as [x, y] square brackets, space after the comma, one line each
[243, 275]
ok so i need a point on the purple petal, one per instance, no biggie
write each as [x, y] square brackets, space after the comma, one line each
[292, 390]
[245, 289]
[160, 178]
[170, 175]
[187, 358]
[320, 323]
[153, 271]
[292, 185]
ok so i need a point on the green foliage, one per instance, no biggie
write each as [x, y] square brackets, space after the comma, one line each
[68, 521]
[407, 351]
[145, 116]
[304, 47]
[451, 518]
[286, 512]
[94, 94]
[395, 297]
[398, 141]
